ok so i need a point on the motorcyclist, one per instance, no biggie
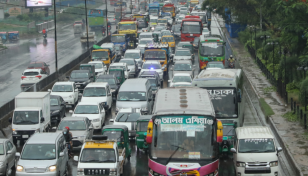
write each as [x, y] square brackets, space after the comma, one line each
[44, 32]
[104, 31]
[231, 59]
[68, 138]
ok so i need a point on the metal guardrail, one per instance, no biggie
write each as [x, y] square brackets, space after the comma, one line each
[49, 25]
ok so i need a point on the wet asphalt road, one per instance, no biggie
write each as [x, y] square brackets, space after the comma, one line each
[16, 59]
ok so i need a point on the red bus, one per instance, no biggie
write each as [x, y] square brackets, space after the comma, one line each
[191, 27]
[113, 2]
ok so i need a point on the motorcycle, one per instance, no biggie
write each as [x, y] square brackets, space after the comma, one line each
[69, 149]
[45, 36]
[231, 65]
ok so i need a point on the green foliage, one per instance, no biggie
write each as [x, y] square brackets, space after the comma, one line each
[6, 15]
[303, 90]
[267, 110]
[292, 87]
[269, 89]
[290, 116]
[30, 17]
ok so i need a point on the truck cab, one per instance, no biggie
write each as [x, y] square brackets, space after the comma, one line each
[100, 156]
[120, 39]
[154, 9]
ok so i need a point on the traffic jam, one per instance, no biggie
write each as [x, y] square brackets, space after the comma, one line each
[163, 89]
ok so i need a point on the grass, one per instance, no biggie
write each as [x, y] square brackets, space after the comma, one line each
[290, 116]
[269, 89]
[294, 95]
[268, 111]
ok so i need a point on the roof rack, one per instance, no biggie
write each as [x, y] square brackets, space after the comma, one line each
[100, 139]
[156, 46]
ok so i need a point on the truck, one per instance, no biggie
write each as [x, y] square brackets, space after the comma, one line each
[31, 115]
[83, 39]
[77, 28]
[120, 39]
[100, 156]
[154, 9]
[159, 52]
[97, 19]
[13, 36]
[130, 28]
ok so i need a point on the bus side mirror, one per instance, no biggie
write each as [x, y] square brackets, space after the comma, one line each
[117, 27]
[149, 132]
[219, 131]
[239, 96]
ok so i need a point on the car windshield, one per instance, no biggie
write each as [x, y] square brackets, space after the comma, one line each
[54, 102]
[97, 65]
[181, 17]
[155, 55]
[153, 82]
[145, 36]
[263, 145]
[146, 42]
[215, 65]
[74, 125]
[62, 88]
[142, 126]
[191, 27]
[117, 38]
[94, 92]
[114, 135]
[39, 152]
[100, 55]
[110, 81]
[117, 73]
[151, 66]
[167, 39]
[182, 53]
[79, 75]
[35, 65]
[211, 49]
[182, 67]
[98, 155]
[177, 28]
[86, 109]
[1, 149]
[159, 28]
[31, 73]
[228, 130]
[132, 55]
[165, 33]
[183, 12]
[153, 20]
[127, 27]
[205, 30]
[142, 25]
[127, 117]
[167, 18]
[181, 79]
[196, 40]
[26, 117]
[128, 61]
[153, 10]
[162, 21]
[131, 96]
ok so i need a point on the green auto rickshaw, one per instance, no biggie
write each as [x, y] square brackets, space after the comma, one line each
[228, 137]
[120, 134]
[119, 73]
[141, 133]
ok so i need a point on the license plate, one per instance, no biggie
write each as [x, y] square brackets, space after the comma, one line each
[77, 85]
[25, 136]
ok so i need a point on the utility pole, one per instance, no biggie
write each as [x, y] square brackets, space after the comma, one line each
[107, 18]
[121, 11]
[85, 3]
[260, 17]
[56, 54]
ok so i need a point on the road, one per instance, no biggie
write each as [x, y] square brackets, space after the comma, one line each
[137, 166]
[16, 59]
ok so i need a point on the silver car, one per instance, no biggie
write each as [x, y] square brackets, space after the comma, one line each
[7, 156]
[132, 65]
[80, 127]
[183, 66]
[183, 54]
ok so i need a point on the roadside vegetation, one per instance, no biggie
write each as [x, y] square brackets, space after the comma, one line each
[268, 111]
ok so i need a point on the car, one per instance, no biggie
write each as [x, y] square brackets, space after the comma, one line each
[113, 82]
[39, 65]
[67, 90]
[183, 66]
[160, 28]
[122, 66]
[145, 35]
[183, 54]
[57, 108]
[31, 76]
[183, 8]
[131, 65]
[111, 18]
[154, 79]
[175, 30]
[183, 12]
[179, 20]
[136, 54]
[165, 32]
[169, 19]
[127, 117]
[80, 127]
[215, 65]
[196, 43]
[81, 78]
[143, 43]
[100, 67]
[45, 153]
[162, 22]
[7, 152]
[93, 110]
[79, 22]
[153, 66]
[180, 77]
[206, 32]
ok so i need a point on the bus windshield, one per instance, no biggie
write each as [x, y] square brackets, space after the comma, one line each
[190, 135]
[223, 101]
[127, 26]
[191, 27]
[118, 38]
[153, 10]
[212, 49]
[167, 9]
[155, 55]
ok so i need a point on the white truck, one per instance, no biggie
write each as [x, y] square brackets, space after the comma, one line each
[91, 38]
[31, 114]
[77, 28]
[100, 156]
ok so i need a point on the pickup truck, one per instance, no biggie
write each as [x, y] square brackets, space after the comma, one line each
[92, 39]
[99, 156]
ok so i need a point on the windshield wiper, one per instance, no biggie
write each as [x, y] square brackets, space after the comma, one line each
[177, 148]
[120, 117]
[28, 121]
[92, 161]
[249, 151]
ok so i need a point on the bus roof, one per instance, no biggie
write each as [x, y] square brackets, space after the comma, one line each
[183, 101]
[191, 19]
[169, 4]
[192, 16]
[206, 38]
[127, 22]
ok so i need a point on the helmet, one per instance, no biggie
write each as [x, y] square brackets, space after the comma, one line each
[231, 56]
[68, 128]
[65, 131]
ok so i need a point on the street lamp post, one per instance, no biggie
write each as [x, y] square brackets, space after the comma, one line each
[264, 37]
[273, 43]
[106, 18]
[56, 53]
[85, 3]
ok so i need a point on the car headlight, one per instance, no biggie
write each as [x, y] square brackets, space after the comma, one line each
[56, 111]
[71, 96]
[96, 120]
[240, 164]
[144, 109]
[274, 163]
[84, 82]
[1, 164]
[51, 168]
[113, 172]
[14, 132]
[152, 28]
[80, 171]
[19, 168]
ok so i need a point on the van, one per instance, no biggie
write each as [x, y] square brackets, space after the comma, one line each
[89, 67]
[43, 153]
[255, 151]
[135, 93]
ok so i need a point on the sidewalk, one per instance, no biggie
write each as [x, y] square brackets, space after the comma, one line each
[291, 133]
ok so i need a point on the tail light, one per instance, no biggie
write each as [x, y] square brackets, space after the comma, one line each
[39, 76]
[23, 77]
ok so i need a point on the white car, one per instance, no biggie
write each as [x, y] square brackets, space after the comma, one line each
[67, 90]
[183, 54]
[180, 77]
[93, 110]
[98, 92]
[179, 20]
[136, 54]
[127, 117]
[169, 19]
[122, 66]
[153, 66]
[206, 32]
[31, 76]
[143, 43]
[100, 67]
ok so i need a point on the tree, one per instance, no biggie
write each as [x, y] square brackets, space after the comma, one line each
[6, 15]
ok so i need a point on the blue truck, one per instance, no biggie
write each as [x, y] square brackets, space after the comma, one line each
[97, 18]
[120, 39]
[154, 9]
